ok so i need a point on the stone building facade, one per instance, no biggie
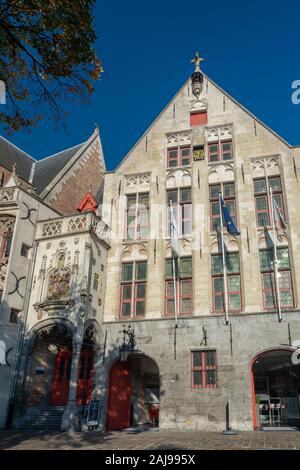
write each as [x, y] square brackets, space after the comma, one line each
[46, 190]
[202, 143]
[109, 318]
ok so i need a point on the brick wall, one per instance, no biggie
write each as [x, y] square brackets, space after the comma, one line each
[85, 175]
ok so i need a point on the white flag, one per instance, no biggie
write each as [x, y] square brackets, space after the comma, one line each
[279, 222]
[174, 232]
[2, 353]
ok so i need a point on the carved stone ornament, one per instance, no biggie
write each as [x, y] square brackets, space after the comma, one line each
[137, 180]
[265, 163]
[179, 138]
[59, 281]
[214, 134]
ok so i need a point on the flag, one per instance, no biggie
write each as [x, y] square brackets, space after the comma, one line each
[227, 219]
[279, 222]
[174, 232]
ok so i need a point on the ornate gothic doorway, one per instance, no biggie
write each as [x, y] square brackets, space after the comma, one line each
[276, 390]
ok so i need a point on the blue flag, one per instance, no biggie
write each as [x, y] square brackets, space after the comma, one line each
[227, 219]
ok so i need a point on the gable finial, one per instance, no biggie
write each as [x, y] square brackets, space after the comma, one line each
[197, 61]
[197, 77]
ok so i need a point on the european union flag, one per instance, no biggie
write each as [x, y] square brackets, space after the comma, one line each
[227, 219]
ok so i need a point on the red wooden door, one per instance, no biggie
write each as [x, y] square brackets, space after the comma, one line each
[85, 377]
[119, 398]
[61, 378]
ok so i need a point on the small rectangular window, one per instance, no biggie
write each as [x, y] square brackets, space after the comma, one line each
[14, 315]
[25, 250]
[204, 369]
[96, 281]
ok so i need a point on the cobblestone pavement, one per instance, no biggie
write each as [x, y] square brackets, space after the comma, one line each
[149, 440]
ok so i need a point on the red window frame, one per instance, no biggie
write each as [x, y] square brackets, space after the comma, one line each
[270, 273]
[178, 209]
[173, 149]
[139, 299]
[259, 194]
[262, 211]
[125, 301]
[203, 369]
[215, 200]
[179, 156]
[229, 292]
[179, 282]
[133, 284]
[137, 218]
[185, 296]
[220, 150]
[182, 296]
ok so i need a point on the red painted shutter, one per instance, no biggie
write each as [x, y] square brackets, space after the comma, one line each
[198, 119]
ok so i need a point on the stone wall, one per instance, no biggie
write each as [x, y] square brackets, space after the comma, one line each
[182, 406]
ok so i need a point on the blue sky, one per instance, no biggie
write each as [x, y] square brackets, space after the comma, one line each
[251, 49]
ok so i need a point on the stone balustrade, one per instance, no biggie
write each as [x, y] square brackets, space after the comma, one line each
[73, 224]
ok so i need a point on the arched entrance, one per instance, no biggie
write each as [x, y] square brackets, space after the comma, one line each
[275, 390]
[133, 393]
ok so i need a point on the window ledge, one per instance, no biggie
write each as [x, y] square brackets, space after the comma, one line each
[182, 167]
[220, 162]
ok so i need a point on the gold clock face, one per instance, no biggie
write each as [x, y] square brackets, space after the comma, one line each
[198, 154]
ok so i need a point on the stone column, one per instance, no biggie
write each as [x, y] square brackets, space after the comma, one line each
[69, 416]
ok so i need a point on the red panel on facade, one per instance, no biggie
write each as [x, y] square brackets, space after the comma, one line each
[198, 119]
[87, 203]
[61, 378]
[119, 399]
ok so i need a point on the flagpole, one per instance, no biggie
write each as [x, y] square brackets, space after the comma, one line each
[224, 264]
[275, 256]
[174, 278]
[175, 290]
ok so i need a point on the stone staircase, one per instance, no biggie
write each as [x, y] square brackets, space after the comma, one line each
[44, 418]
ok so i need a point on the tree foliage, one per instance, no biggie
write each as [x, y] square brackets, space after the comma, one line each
[47, 56]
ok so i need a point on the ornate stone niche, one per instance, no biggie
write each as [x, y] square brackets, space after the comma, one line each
[59, 280]
[7, 224]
